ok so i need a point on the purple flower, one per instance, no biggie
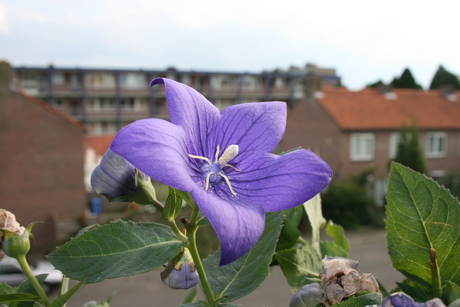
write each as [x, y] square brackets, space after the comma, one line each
[223, 159]
[180, 272]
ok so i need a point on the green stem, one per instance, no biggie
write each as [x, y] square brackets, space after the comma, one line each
[435, 274]
[28, 272]
[64, 286]
[177, 232]
[199, 265]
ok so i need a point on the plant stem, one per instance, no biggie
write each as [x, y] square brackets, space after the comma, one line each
[192, 246]
[199, 266]
[435, 274]
[28, 272]
[64, 286]
[177, 232]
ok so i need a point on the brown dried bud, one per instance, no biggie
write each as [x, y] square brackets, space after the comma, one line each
[340, 279]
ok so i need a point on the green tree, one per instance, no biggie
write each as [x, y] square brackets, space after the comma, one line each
[378, 83]
[405, 81]
[409, 151]
[444, 78]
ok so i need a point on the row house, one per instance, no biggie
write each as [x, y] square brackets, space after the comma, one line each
[357, 130]
[108, 99]
[43, 154]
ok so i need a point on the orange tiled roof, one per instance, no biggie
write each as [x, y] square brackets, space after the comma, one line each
[369, 109]
[100, 143]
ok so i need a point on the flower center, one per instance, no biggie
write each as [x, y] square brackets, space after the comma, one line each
[212, 172]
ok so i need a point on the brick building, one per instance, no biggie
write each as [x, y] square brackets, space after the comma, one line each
[108, 99]
[355, 130]
[42, 162]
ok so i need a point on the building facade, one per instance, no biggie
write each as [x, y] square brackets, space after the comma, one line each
[108, 99]
[354, 131]
[42, 162]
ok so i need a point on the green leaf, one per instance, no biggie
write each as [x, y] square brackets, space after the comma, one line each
[421, 216]
[338, 235]
[290, 233]
[26, 287]
[451, 292]
[332, 249]
[61, 300]
[301, 265]
[363, 300]
[241, 277]
[173, 205]
[115, 250]
[417, 292]
[7, 289]
[315, 216]
[19, 297]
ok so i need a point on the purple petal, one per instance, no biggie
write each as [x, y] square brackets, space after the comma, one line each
[157, 148]
[113, 177]
[184, 278]
[191, 111]
[281, 182]
[238, 226]
[256, 128]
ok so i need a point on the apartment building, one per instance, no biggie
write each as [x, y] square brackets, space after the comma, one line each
[106, 100]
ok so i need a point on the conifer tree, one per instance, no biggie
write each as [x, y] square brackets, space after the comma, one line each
[444, 78]
[406, 81]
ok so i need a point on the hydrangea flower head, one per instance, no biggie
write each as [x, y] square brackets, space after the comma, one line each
[224, 160]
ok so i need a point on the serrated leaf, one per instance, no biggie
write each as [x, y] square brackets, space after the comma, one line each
[115, 250]
[421, 216]
[315, 216]
[337, 233]
[301, 265]
[173, 205]
[241, 277]
[363, 300]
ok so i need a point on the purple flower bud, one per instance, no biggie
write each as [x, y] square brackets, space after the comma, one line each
[308, 296]
[180, 272]
[118, 180]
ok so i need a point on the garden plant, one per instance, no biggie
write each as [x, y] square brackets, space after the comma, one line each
[221, 165]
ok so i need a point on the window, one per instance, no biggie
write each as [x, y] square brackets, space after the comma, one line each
[361, 146]
[58, 78]
[393, 144]
[436, 144]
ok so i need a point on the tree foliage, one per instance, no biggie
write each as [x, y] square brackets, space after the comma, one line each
[405, 81]
[409, 151]
[443, 78]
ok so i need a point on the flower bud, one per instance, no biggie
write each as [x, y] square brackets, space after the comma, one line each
[119, 180]
[15, 238]
[180, 272]
[308, 296]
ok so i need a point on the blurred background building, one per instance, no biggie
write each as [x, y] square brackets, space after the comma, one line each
[108, 99]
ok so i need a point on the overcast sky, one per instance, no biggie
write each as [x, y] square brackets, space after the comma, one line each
[363, 40]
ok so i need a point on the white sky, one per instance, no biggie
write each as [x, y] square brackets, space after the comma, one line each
[363, 40]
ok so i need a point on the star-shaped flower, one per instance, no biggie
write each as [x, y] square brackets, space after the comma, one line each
[224, 160]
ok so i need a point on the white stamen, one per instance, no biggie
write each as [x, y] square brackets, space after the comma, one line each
[228, 154]
[229, 185]
[199, 157]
